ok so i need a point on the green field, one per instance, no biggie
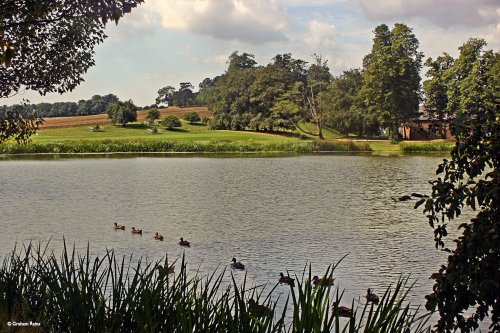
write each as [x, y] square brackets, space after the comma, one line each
[136, 131]
[198, 138]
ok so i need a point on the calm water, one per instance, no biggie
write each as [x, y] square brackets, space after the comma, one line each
[273, 214]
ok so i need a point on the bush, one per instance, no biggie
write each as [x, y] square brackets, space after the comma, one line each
[192, 117]
[171, 121]
[122, 113]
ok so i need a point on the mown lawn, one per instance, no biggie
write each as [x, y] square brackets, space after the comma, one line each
[188, 132]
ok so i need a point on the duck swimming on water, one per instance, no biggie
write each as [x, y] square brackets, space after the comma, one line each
[371, 297]
[136, 231]
[326, 281]
[286, 280]
[237, 264]
[184, 243]
[119, 226]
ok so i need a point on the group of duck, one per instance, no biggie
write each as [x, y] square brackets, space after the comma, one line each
[156, 236]
[342, 311]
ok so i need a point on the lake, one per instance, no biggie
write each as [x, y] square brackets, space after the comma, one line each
[272, 213]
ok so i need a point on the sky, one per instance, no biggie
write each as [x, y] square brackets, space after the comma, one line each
[165, 42]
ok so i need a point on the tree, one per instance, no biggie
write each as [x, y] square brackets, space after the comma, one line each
[345, 110]
[229, 99]
[122, 113]
[185, 95]
[470, 179]
[205, 88]
[171, 121]
[165, 95]
[18, 122]
[391, 79]
[318, 79]
[152, 116]
[435, 90]
[241, 61]
[192, 117]
[47, 46]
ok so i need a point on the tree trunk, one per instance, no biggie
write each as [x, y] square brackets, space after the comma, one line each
[319, 126]
[394, 132]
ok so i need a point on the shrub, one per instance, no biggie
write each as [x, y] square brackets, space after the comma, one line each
[171, 121]
[192, 117]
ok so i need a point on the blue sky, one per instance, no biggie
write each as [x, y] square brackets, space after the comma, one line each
[165, 42]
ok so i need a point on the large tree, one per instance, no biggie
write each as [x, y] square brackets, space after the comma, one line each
[391, 78]
[184, 96]
[435, 90]
[345, 110]
[47, 46]
[229, 99]
[471, 178]
[165, 95]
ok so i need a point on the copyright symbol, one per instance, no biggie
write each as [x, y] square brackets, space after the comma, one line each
[9, 323]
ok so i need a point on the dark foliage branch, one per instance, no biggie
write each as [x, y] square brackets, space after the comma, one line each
[470, 179]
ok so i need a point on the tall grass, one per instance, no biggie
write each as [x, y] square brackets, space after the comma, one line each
[77, 293]
[343, 146]
[213, 146]
[425, 147]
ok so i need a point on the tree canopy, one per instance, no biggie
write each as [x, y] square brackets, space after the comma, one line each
[391, 78]
[471, 178]
[346, 110]
[47, 46]
[121, 113]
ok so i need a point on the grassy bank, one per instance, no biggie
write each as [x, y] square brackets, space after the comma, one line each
[136, 131]
[212, 146]
[80, 293]
[426, 147]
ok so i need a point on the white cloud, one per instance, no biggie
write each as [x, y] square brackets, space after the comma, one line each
[255, 22]
[444, 13]
[321, 35]
[218, 58]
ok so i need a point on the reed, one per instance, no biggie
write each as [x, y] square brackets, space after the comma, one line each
[81, 293]
[212, 146]
[133, 146]
[426, 147]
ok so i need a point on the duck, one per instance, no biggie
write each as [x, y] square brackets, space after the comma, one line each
[259, 310]
[136, 231]
[286, 280]
[326, 281]
[237, 264]
[184, 243]
[170, 269]
[371, 297]
[119, 226]
[158, 236]
[341, 311]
